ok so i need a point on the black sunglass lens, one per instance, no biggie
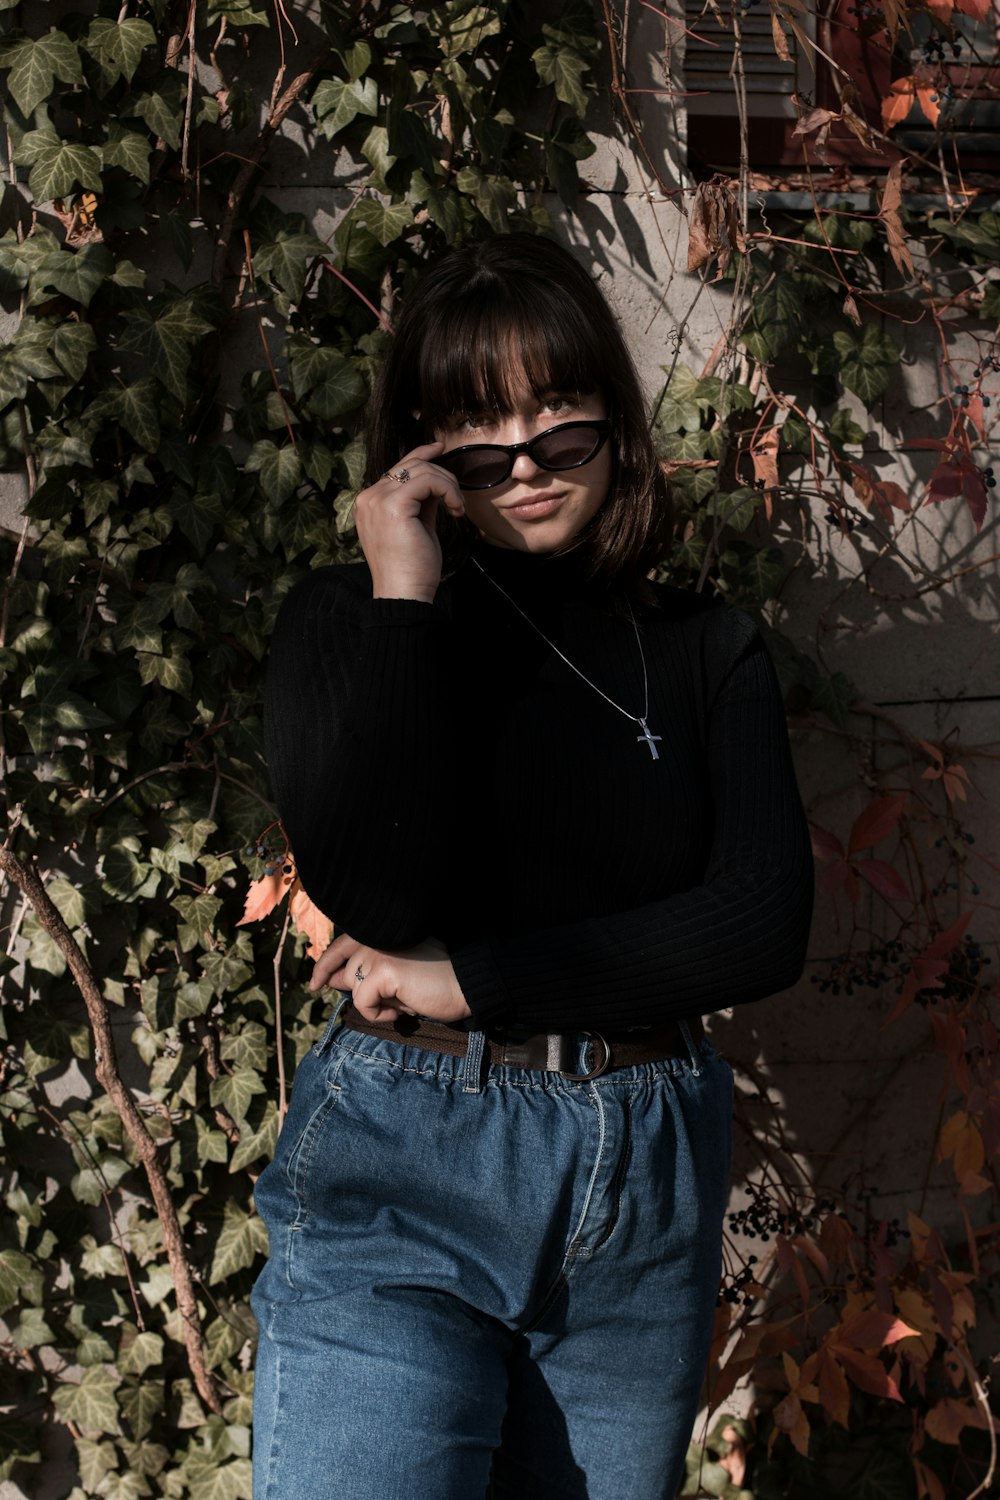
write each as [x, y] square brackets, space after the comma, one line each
[478, 468]
[566, 447]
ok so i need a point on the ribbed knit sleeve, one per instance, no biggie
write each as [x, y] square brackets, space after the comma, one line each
[736, 936]
[358, 718]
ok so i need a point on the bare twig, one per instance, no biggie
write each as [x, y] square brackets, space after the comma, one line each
[26, 878]
[244, 176]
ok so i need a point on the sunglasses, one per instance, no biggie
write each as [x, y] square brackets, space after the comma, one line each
[481, 466]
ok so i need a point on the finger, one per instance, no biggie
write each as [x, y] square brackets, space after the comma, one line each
[423, 480]
[333, 959]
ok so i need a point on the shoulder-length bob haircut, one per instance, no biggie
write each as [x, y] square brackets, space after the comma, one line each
[485, 317]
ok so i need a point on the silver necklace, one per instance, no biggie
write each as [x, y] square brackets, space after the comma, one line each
[652, 740]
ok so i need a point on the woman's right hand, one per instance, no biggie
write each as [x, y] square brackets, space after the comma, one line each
[396, 521]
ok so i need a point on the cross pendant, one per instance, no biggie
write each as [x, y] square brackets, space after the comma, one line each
[650, 738]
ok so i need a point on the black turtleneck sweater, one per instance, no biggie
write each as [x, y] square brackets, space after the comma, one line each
[440, 772]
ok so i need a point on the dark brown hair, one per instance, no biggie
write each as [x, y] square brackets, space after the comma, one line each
[479, 317]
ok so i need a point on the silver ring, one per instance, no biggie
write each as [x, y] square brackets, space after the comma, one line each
[359, 974]
[400, 478]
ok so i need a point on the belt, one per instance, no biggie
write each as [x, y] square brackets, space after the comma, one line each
[551, 1052]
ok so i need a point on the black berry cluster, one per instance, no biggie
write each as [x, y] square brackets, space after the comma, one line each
[871, 970]
[273, 859]
[937, 48]
[764, 1216]
[734, 1288]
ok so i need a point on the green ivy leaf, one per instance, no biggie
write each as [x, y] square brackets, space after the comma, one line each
[19, 1276]
[57, 166]
[867, 361]
[141, 1402]
[36, 64]
[163, 108]
[494, 196]
[242, 1238]
[96, 1460]
[166, 338]
[386, 221]
[286, 257]
[72, 346]
[77, 274]
[210, 1481]
[337, 103]
[137, 1352]
[778, 315]
[280, 469]
[137, 408]
[564, 69]
[90, 1403]
[129, 150]
[234, 1091]
[118, 46]
[460, 27]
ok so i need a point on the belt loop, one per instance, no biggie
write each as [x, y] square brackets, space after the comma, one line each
[474, 1063]
[685, 1032]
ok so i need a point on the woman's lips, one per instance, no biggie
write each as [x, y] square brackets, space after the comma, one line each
[533, 510]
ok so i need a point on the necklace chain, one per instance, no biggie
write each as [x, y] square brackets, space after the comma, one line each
[640, 719]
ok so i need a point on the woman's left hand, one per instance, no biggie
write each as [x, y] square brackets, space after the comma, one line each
[419, 981]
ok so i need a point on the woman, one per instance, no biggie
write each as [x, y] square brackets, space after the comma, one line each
[551, 809]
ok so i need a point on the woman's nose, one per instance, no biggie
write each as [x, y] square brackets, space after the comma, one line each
[525, 467]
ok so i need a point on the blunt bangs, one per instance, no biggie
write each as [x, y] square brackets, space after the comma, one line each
[487, 316]
[477, 357]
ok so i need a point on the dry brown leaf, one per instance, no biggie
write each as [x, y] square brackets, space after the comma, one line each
[892, 197]
[713, 229]
[778, 35]
[310, 921]
[765, 464]
[851, 309]
[816, 122]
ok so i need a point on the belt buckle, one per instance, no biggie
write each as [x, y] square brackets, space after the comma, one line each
[595, 1072]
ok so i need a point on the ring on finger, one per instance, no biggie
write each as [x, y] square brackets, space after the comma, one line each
[359, 974]
[400, 475]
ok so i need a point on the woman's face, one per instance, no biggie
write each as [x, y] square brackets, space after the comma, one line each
[535, 510]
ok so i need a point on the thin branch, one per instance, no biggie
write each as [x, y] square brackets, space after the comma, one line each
[26, 878]
[102, 1183]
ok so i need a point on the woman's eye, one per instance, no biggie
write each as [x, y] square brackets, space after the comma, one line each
[558, 403]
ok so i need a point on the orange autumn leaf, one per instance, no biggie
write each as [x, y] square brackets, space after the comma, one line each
[902, 95]
[873, 1330]
[310, 921]
[264, 895]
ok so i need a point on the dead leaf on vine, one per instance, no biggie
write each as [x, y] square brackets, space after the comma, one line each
[892, 197]
[850, 105]
[816, 122]
[265, 894]
[851, 310]
[713, 228]
[765, 465]
[310, 921]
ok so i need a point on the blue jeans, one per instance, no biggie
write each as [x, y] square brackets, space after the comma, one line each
[478, 1270]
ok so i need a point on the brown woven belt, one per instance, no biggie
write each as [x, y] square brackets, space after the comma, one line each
[551, 1052]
